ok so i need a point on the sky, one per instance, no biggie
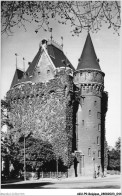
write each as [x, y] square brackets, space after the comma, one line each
[108, 50]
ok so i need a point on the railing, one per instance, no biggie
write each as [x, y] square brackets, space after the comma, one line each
[113, 172]
[36, 175]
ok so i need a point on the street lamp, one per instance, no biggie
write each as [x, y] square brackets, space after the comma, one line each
[23, 137]
[24, 161]
[57, 166]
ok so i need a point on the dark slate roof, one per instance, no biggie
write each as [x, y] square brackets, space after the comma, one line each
[17, 76]
[58, 57]
[88, 59]
[34, 63]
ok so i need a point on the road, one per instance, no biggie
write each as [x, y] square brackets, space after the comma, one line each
[109, 182]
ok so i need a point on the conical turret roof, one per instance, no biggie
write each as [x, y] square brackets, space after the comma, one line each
[88, 59]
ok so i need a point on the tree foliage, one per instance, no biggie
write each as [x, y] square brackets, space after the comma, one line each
[4, 116]
[38, 152]
[118, 145]
[9, 153]
[79, 14]
[114, 156]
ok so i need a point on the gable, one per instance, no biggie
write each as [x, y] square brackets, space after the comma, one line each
[44, 70]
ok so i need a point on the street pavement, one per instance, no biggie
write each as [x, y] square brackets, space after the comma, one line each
[108, 182]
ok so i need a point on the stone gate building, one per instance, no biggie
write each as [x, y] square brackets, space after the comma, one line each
[51, 76]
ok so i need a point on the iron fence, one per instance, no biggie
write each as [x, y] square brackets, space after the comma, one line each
[39, 175]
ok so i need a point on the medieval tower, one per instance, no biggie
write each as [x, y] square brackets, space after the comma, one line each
[89, 79]
[57, 95]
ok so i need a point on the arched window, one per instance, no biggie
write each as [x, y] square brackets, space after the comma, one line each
[97, 140]
[98, 115]
[48, 71]
[99, 127]
[83, 100]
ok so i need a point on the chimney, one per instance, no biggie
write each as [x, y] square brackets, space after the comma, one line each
[43, 43]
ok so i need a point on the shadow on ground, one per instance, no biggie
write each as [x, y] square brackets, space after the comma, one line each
[104, 187]
[11, 181]
[48, 185]
[26, 185]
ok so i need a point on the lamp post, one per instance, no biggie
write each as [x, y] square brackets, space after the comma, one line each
[24, 136]
[24, 161]
[57, 166]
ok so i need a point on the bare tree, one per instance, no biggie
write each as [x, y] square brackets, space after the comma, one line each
[88, 15]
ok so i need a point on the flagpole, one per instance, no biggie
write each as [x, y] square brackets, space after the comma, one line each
[23, 64]
[16, 59]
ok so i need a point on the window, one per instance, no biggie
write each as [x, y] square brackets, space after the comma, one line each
[95, 103]
[89, 151]
[83, 100]
[99, 154]
[98, 115]
[87, 90]
[84, 88]
[89, 112]
[97, 140]
[48, 71]
[83, 122]
[99, 127]
[39, 72]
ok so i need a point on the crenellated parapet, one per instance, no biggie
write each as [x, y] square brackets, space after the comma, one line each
[88, 76]
[90, 82]
[92, 89]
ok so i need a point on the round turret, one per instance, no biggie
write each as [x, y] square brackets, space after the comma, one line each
[90, 81]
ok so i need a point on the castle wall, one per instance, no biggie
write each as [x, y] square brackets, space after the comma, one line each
[46, 111]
